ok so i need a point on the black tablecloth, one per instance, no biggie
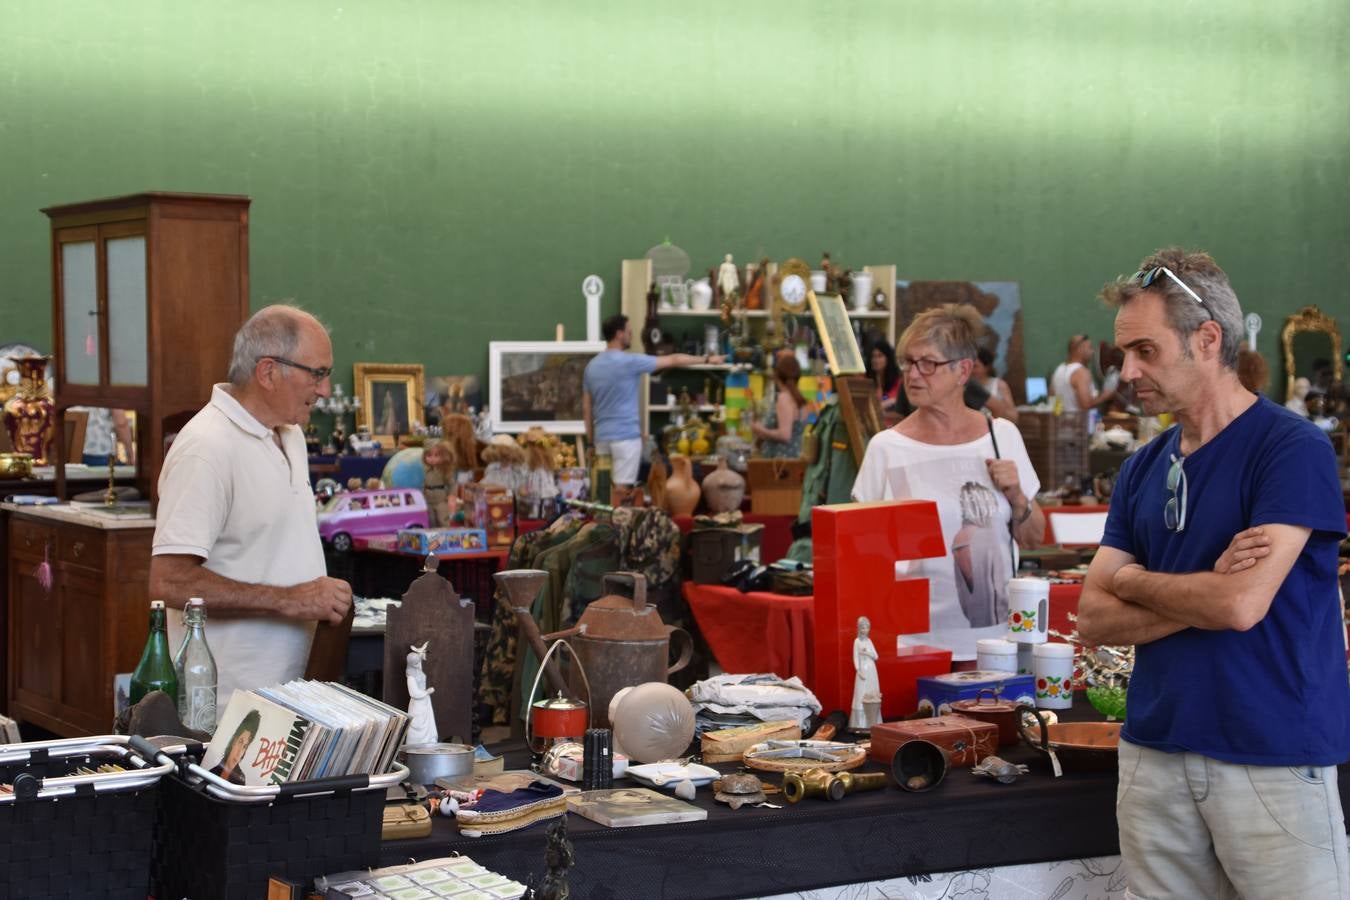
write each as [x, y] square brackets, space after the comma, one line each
[965, 822]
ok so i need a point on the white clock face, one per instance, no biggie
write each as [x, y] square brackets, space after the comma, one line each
[793, 289]
[592, 286]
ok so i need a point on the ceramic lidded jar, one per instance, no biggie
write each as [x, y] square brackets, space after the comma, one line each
[682, 491]
[723, 489]
[30, 415]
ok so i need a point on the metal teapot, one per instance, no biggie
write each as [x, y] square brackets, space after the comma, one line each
[622, 642]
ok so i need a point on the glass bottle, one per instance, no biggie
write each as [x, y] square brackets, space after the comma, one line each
[196, 670]
[155, 671]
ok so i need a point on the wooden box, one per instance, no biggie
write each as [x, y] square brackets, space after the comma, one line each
[728, 744]
[713, 551]
[967, 741]
[776, 486]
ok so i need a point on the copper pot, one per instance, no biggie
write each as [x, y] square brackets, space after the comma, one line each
[995, 711]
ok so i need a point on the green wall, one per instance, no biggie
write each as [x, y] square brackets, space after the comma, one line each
[429, 174]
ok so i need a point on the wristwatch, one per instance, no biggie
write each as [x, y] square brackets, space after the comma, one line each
[1026, 514]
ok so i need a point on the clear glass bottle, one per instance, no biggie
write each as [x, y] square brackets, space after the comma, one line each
[155, 671]
[196, 670]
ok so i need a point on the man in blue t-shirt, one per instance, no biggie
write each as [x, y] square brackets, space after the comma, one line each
[1219, 565]
[610, 401]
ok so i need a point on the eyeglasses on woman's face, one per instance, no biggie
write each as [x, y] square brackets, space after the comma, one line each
[926, 365]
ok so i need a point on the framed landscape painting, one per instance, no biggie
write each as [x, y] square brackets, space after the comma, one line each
[538, 383]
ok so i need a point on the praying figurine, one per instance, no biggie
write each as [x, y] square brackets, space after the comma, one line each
[421, 717]
[866, 709]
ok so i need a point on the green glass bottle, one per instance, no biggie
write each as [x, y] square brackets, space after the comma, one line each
[155, 671]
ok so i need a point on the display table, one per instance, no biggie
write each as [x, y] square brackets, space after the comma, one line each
[376, 568]
[755, 632]
[761, 632]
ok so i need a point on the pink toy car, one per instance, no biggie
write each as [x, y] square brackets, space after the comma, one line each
[363, 513]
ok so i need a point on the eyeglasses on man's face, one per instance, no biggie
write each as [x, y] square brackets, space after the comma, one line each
[318, 374]
[1147, 277]
[925, 366]
[1174, 512]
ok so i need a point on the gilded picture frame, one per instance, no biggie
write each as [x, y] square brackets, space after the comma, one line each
[861, 410]
[391, 400]
[836, 334]
[1309, 319]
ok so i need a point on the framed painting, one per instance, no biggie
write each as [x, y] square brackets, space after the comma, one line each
[451, 394]
[538, 383]
[391, 400]
[861, 409]
[836, 334]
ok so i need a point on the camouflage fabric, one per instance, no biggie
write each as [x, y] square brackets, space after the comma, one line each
[494, 686]
[830, 478]
[650, 543]
[586, 576]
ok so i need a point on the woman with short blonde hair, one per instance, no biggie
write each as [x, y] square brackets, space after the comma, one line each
[935, 453]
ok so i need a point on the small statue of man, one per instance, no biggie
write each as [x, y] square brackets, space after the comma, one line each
[559, 858]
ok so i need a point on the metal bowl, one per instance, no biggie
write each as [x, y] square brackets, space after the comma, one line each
[1081, 746]
[427, 762]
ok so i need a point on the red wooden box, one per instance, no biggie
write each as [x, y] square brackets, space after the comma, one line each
[967, 741]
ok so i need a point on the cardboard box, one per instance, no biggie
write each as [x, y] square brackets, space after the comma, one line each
[967, 741]
[442, 540]
[936, 692]
[776, 486]
[728, 744]
[713, 551]
[492, 508]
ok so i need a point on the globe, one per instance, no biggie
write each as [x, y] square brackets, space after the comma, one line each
[404, 469]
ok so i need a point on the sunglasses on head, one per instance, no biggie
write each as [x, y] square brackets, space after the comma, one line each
[1148, 277]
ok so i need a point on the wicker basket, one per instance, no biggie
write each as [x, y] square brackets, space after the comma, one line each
[219, 841]
[64, 835]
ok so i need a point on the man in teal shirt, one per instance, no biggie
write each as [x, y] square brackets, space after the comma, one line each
[610, 401]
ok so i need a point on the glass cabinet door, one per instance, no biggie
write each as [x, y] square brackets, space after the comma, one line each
[128, 362]
[79, 308]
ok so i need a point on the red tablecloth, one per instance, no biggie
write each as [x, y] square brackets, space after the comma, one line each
[755, 632]
[775, 541]
[760, 632]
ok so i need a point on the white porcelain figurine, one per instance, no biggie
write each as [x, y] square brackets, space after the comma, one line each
[866, 687]
[421, 717]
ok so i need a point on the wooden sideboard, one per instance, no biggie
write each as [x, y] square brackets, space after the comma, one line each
[67, 641]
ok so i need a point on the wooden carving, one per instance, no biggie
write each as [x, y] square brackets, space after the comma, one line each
[1309, 318]
[433, 612]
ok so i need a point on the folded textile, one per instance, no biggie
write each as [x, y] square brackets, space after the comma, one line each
[765, 697]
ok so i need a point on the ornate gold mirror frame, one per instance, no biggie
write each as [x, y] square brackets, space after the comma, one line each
[1309, 318]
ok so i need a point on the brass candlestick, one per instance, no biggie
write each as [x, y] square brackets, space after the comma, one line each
[110, 495]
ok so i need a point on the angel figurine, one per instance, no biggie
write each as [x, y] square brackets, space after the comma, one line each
[728, 279]
[866, 709]
[421, 717]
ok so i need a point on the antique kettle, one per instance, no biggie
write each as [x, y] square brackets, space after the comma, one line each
[622, 642]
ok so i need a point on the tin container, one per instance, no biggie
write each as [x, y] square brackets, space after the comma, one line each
[939, 692]
[427, 762]
[988, 707]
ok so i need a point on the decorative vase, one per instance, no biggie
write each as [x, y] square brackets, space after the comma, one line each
[682, 491]
[723, 489]
[30, 415]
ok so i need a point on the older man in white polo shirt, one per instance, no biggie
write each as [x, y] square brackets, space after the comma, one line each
[236, 523]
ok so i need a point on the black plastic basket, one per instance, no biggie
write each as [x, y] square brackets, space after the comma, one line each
[64, 835]
[219, 841]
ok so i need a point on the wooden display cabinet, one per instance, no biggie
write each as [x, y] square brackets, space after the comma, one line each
[67, 641]
[147, 293]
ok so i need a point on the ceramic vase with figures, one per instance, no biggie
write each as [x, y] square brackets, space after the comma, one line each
[30, 415]
[682, 491]
[723, 489]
